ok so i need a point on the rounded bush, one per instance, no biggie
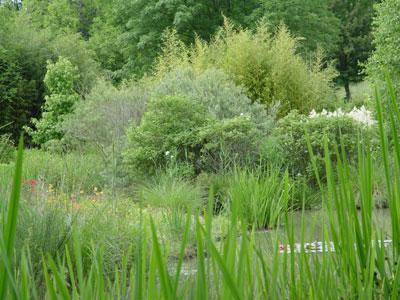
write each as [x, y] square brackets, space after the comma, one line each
[341, 133]
[178, 130]
[214, 90]
[168, 131]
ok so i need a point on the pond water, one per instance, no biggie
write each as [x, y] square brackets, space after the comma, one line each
[309, 226]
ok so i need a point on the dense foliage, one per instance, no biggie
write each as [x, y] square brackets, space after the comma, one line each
[267, 66]
[213, 89]
[6, 148]
[176, 129]
[122, 40]
[355, 38]
[61, 81]
[387, 42]
[312, 21]
[181, 149]
[296, 133]
[169, 129]
[25, 49]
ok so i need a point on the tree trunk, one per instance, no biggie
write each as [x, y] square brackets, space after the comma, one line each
[347, 89]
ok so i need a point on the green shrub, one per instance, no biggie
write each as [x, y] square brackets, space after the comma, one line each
[341, 131]
[179, 130]
[7, 149]
[228, 143]
[102, 118]
[169, 130]
[267, 66]
[214, 90]
[60, 80]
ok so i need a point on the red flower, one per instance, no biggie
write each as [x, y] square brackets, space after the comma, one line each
[32, 183]
[281, 248]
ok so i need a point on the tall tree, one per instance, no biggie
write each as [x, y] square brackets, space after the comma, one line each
[23, 55]
[25, 47]
[310, 20]
[387, 42]
[104, 38]
[15, 92]
[143, 22]
[61, 80]
[355, 39]
[73, 16]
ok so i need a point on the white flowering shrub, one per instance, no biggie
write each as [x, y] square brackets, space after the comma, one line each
[360, 115]
[342, 130]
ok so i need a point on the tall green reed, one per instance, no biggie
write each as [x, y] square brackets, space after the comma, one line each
[9, 228]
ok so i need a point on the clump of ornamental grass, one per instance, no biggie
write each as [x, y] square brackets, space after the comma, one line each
[262, 197]
[267, 66]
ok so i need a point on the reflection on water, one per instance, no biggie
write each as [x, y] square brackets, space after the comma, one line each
[309, 226]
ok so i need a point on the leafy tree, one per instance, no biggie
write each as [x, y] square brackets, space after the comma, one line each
[61, 16]
[56, 16]
[143, 22]
[60, 80]
[15, 92]
[24, 51]
[23, 55]
[387, 42]
[75, 49]
[104, 40]
[310, 20]
[355, 43]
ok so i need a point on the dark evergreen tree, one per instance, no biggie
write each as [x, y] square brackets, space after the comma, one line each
[355, 39]
[16, 93]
